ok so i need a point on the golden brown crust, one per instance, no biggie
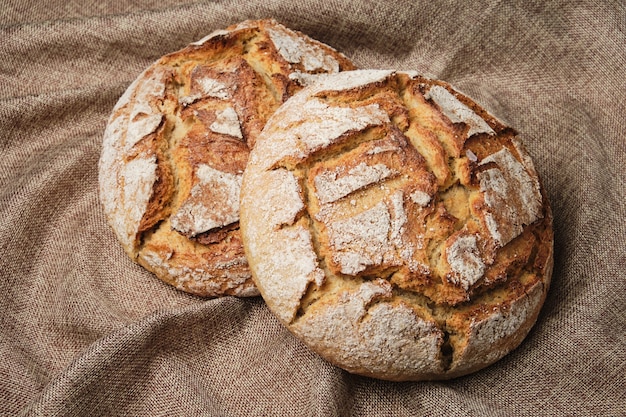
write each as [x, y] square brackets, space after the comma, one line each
[178, 141]
[395, 227]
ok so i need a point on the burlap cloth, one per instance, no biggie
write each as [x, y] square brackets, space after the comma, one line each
[83, 331]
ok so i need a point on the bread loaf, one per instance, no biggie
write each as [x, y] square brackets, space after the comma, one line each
[395, 227]
[178, 140]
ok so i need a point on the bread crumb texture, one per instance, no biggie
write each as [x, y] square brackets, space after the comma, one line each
[177, 143]
[396, 227]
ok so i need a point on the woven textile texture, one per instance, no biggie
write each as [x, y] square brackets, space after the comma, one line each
[84, 331]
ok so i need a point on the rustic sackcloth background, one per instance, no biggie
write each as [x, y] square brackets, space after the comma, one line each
[85, 332]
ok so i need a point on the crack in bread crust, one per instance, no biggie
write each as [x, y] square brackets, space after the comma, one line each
[394, 201]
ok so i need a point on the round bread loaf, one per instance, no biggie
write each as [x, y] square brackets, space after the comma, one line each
[395, 227]
[177, 143]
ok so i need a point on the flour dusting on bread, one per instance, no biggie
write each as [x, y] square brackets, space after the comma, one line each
[213, 202]
[458, 112]
[511, 194]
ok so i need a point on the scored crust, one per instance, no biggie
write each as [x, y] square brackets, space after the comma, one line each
[396, 227]
[178, 140]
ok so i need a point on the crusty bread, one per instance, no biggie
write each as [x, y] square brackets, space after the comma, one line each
[395, 227]
[178, 140]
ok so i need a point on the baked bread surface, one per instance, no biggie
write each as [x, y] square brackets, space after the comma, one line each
[395, 227]
[178, 140]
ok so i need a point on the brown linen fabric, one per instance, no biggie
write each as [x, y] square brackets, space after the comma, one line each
[83, 331]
